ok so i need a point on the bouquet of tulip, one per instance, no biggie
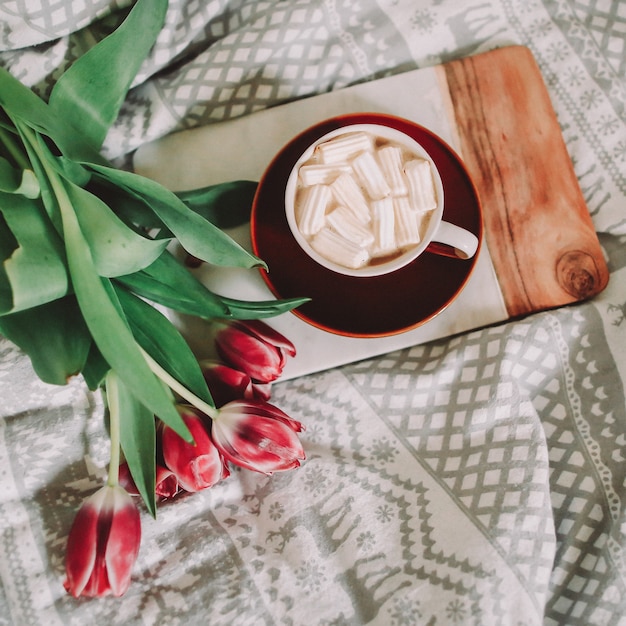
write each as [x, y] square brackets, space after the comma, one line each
[84, 254]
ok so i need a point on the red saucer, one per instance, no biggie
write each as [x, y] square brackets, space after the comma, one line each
[363, 307]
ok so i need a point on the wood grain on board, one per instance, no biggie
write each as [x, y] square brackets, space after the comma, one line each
[537, 225]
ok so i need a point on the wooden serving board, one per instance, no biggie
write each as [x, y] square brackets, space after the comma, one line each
[540, 249]
[537, 226]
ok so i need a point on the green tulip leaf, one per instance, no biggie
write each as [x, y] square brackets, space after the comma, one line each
[248, 309]
[53, 335]
[95, 368]
[72, 171]
[23, 183]
[92, 90]
[36, 152]
[196, 235]
[8, 244]
[130, 209]
[162, 341]
[35, 269]
[26, 109]
[137, 438]
[108, 327]
[226, 205]
[116, 248]
[168, 283]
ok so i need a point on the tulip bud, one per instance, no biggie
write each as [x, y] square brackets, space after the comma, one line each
[166, 484]
[227, 384]
[255, 348]
[103, 544]
[258, 436]
[196, 465]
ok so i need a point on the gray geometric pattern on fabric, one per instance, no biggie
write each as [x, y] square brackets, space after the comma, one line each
[483, 443]
[601, 40]
[261, 54]
[606, 22]
[30, 23]
[356, 500]
[545, 365]
[585, 423]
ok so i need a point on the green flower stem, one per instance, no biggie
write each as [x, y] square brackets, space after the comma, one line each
[113, 401]
[180, 389]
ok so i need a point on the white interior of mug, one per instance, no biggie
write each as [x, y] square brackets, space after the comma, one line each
[384, 133]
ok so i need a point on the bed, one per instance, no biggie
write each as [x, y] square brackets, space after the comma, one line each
[469, 471]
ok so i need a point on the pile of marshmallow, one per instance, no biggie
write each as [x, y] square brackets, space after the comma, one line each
[361, 198]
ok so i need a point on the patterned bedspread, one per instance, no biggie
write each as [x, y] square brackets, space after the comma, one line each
[479, 479]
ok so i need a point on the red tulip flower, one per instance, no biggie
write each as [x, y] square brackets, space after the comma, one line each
[166, 482]
[258, 436]
[227, 384]
[103, 544]
[196, 465]
[255, 348]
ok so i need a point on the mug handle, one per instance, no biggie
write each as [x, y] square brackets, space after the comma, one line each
[453, 241]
